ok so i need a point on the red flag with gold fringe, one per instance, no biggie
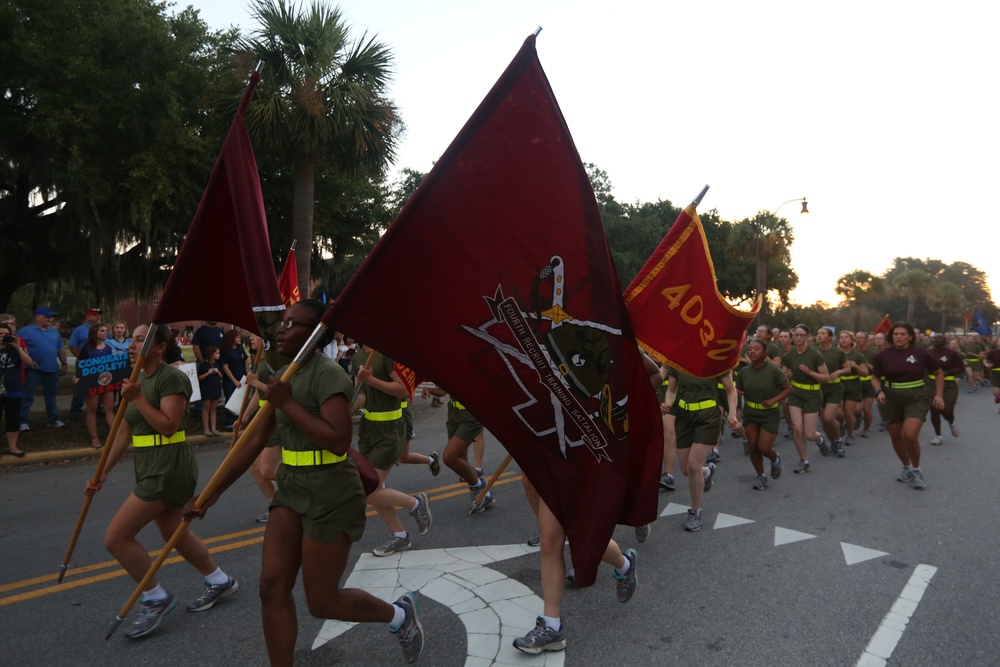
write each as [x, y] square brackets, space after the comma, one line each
[677, 311]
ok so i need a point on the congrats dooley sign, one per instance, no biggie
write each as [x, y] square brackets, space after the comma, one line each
[102, 374]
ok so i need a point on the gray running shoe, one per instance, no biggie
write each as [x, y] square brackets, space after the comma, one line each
[435, 463]
[541, 638]
[214, 593]
[824, 449]
[487, 501]
[422, 513]
[849, 441]
[693, 521]
[918, 480]
[411, 634]
[790, 432]
[535, 540]
[802, 467]
[866, 434]
[905, 476]
[262, 518]
[393, 545]
[642, 532]
[479, 471]
[713, 457]
[954, 430]
[626, 583]
[667, 482]
[571, 576]
[151, 615]
[761, 483]
[881, 426]
[776, 468]
[708, 480]
[936, 440]
[841, 452]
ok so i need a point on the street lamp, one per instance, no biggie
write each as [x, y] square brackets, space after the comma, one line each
[760, 284]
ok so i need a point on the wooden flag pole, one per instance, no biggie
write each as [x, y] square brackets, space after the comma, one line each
[357, 387]
[493, 479]
[105, 452]
[213, 483]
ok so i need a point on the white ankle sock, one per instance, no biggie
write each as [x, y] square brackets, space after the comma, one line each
[217, 577]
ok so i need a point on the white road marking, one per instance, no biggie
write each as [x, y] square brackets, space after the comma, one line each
[787, 536]
[855, 554]
[674, 508]
[885, 639]
[728, 521]
[494, 608]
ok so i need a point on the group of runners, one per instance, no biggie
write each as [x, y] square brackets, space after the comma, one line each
[317, 504]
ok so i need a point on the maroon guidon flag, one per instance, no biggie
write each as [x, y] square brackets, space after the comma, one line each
[516, 309]
[679, 315]
[208, 283]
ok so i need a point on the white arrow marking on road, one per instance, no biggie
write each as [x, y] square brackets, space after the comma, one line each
[674, 508]
[728, 521]
[884, 641]
[855, 554]
[787, 536]
[494, 608]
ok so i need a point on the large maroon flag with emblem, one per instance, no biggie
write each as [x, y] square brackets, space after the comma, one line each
[211, 281]
[495, 281]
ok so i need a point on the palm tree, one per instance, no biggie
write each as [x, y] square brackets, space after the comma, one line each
[913, 284]
[765, 240]
[857, 287]
[946, 299]
[322, 100]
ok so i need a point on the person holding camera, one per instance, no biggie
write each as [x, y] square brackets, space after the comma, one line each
[13, 359]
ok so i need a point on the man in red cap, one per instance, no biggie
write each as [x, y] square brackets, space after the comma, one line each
[77, 340]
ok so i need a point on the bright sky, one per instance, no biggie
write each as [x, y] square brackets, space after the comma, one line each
[883, 114]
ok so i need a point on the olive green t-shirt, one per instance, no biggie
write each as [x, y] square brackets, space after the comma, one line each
[834, 358]
[382, 366]
[758, 385]
[315, 382]
[695, 390]
[857, 357]
[165, 381]
[810, 357]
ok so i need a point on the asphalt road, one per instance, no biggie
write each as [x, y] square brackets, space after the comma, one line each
[805, 572]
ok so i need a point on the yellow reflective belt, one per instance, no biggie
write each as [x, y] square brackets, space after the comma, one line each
[314, 457]
[906, 385]
[721, 386]
[833, 380]
[703, 405]
[391, 415]
[850, 377]
[155, 440]
[865, 378]
[946, 377]
[665, 383]
[761, 406]
[457, 405]
[404, 404]
[808, 387]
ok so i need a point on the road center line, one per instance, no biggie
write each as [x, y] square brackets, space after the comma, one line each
[888, 634]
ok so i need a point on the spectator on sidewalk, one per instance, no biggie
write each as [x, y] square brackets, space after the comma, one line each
[233, 361]
[45, 346]
[119, 338]
[77, 340]
[208, 334]
[13, 360]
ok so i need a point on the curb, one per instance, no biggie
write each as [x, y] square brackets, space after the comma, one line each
[79, 453]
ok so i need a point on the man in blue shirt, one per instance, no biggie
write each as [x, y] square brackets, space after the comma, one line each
[77, 341]
[45, 346]
[209, 334]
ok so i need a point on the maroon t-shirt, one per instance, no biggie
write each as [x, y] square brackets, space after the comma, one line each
[908, 365]
[948, 360]
[993, 356]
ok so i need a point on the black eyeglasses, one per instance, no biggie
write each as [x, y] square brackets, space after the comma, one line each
[289, 323]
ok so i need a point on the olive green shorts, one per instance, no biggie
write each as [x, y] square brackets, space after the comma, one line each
[867, 390]
[408, 422]
[832, 393]
[381, 443]
[462, 424]
[329, 499]
[852, 390]
[767, 419]
[167, 473]
[700, 427]
[810, 400]
[950, 390]
[903, 404]
[995, 378]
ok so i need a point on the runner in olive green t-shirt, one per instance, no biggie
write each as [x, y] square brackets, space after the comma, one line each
[806, 369]
[833, 392]
[764, 386]
[850, 415]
